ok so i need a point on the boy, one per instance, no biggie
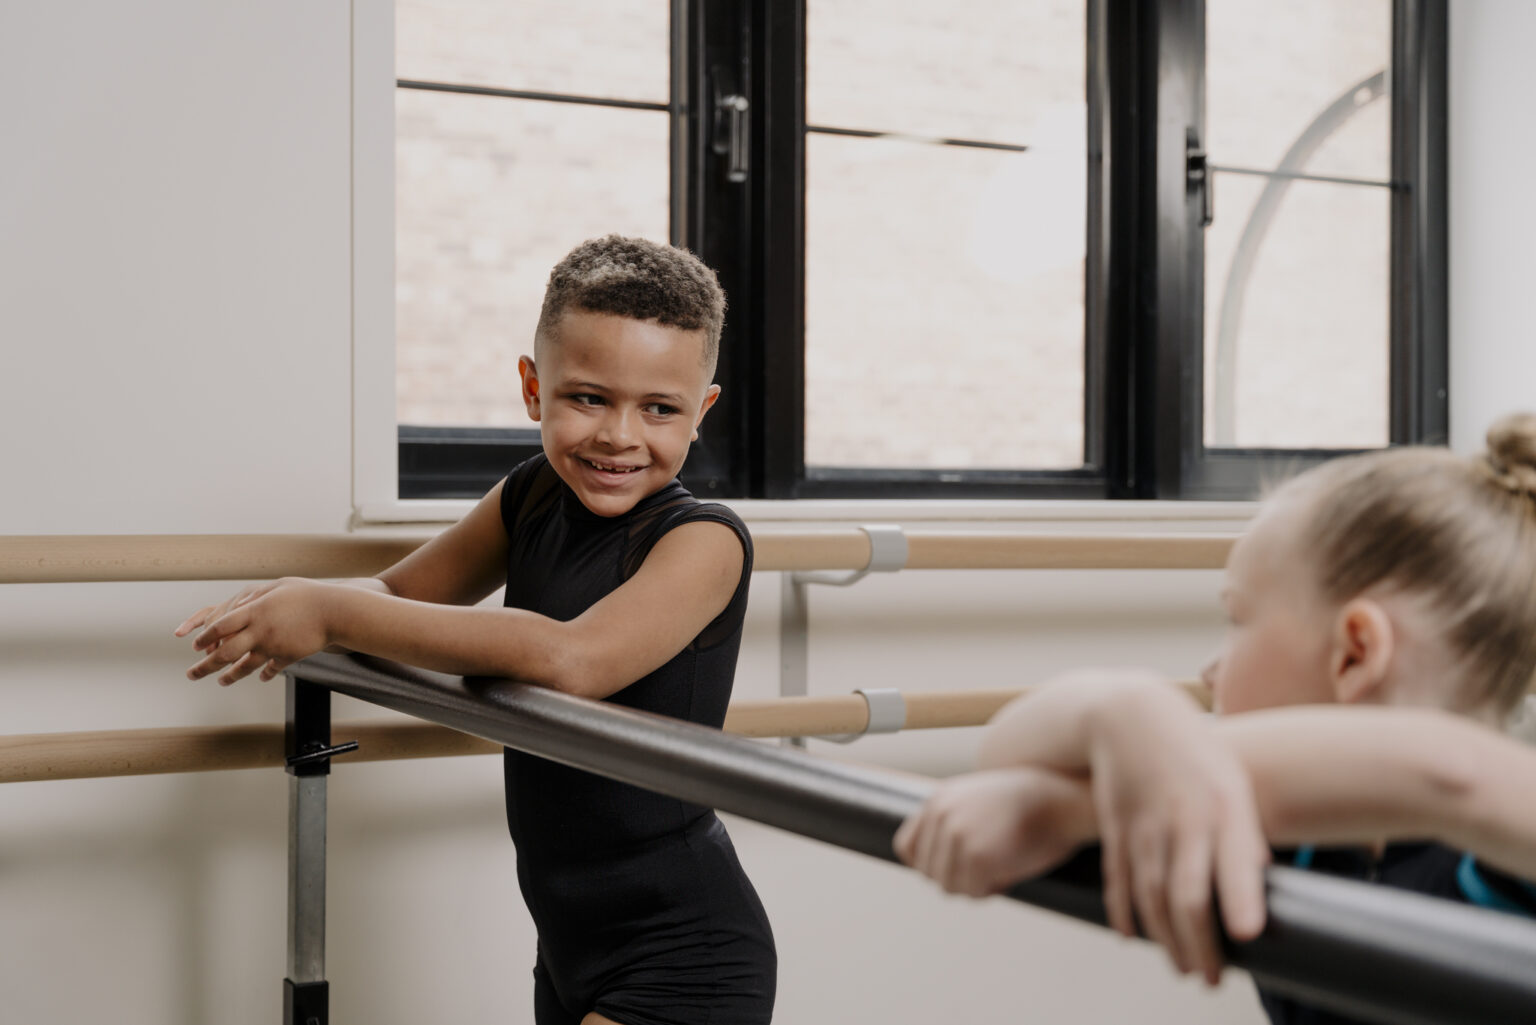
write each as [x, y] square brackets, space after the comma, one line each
[619, 585]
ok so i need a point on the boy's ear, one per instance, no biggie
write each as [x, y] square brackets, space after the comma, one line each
[530, 375]
[1360, 657]
[710, 395]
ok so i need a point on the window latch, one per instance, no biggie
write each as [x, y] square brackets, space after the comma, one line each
[1197, 176]
[731, 139]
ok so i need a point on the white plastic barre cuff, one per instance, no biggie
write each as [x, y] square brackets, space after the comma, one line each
[887, 553]
[887, 713]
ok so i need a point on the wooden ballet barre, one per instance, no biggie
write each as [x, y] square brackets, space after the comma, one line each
[108, 558]
[69, 558]
[30, 758]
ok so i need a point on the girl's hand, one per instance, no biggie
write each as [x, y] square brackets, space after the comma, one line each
[982, 832]
[267, 627]
[1176, 813]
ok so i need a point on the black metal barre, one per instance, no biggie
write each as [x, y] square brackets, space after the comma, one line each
[1378, 954]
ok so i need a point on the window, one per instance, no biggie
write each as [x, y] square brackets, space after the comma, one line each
[1067, 248]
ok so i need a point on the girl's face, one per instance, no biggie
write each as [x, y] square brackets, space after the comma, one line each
[1276, 649]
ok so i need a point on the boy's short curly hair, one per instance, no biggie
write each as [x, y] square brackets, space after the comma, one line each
[641, 279]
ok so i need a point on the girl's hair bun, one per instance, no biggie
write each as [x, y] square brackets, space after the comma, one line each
[1511, 456]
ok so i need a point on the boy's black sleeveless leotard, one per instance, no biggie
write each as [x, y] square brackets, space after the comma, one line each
[643, 911]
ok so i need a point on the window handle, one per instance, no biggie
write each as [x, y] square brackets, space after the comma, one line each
[731, 141]
[1197, 175]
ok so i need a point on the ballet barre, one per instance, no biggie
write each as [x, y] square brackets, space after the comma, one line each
[1369, 952]
[112, 558]
[31, 758]
[830, 555]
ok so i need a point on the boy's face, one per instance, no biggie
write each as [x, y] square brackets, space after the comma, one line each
[1277, 646]
[617, 400]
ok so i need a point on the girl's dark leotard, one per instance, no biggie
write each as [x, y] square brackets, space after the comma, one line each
[1426, 868]
[643, 911]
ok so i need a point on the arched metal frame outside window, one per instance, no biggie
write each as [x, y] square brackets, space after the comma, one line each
[1291, 168]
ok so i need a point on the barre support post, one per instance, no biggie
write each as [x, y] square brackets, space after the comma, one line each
[306, 994]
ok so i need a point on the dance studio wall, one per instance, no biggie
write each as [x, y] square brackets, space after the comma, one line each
[175, 324]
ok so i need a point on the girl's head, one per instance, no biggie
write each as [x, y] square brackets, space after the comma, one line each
[1404, 576]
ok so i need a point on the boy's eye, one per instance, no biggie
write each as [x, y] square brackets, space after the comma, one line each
[587, 399]
[660, 409]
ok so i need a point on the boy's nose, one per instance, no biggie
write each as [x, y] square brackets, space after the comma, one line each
[617, 429]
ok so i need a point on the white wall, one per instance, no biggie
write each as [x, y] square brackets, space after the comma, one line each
[176, 334]
[1493, 219]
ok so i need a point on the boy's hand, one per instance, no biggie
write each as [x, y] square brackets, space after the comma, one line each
[266, 627]
[1176, 814]
[982, 832]
[208, 613]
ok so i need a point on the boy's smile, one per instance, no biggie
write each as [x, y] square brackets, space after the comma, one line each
[617, 400]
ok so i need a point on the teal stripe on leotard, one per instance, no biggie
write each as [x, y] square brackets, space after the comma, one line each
[1477, 891]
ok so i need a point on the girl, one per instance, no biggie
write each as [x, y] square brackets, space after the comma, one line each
[1400, 579]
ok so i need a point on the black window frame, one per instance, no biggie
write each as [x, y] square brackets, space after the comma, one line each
[743, 212]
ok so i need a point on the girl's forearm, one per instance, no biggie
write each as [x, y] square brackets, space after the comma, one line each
[1055, 727]
[1355, 775]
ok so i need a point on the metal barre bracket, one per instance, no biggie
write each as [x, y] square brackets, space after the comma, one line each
[887, 714]
[887, 554]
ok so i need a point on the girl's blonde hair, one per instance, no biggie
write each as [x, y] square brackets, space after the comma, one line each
[1458, 532]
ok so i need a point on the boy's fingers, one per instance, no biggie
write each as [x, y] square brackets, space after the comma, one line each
[243, 667]
[222, 625]
[275, 666]
[193, 621]
[229, 650]
[211, 663]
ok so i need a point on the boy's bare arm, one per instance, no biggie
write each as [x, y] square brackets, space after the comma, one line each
[462, 564]
[685, 582]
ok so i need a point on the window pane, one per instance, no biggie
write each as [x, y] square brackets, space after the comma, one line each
[944, 305]
[490, 193]
[1312, 74]
[977, 69]
[944, 284]
[1296, 315]
[616, 49]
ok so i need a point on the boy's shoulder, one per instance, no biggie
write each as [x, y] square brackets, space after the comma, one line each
[674, 506]
[531, 484]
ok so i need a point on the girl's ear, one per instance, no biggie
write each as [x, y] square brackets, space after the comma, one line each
[1360, 658]
[710, 395]
[530, 375]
